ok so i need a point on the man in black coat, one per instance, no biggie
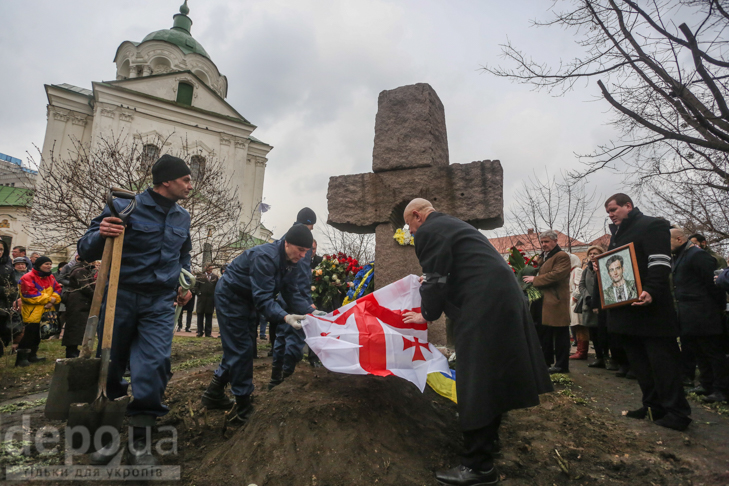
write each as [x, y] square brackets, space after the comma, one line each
[648, 328]
[500, 363]
[205, 291]
[700, 305]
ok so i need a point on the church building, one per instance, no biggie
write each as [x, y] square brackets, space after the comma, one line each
[167, 91]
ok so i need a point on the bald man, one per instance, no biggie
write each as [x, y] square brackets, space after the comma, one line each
[500, 363]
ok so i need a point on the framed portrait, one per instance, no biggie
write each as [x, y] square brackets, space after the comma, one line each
[618, 277]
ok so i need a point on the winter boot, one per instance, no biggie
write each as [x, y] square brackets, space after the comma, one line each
[140, 451]
[22, 358]
[214, 397]
[276, 378]
[72, 352]
[242, 411]
[582, 348]
[34, 358]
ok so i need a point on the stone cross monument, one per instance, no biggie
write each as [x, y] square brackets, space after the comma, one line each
[409, 160]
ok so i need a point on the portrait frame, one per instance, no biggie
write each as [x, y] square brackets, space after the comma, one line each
[631, 277]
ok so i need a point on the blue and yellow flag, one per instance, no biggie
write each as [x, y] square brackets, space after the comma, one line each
[444, 384]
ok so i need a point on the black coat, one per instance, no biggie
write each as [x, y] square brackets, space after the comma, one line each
[699, 302]
[205, 291]
[500, 364]
[8, 279]
[78, 295]
[652, 240]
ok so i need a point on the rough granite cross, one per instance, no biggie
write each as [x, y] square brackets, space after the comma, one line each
[409, 160]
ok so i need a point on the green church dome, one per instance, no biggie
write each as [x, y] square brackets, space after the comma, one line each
[179, 34]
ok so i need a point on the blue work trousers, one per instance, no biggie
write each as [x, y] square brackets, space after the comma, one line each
[143, 328]
[288, 349]
[262, 324]
[236, 317]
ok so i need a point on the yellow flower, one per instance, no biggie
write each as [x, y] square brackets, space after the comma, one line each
[319, 272]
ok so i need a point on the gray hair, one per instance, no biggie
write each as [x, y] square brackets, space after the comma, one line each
[551, 234]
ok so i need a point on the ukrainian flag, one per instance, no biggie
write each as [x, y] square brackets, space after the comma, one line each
[444, 384]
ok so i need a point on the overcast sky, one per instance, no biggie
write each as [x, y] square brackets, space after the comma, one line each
[308, 74]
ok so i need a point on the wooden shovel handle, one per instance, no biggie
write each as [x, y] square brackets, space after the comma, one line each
[116, 255]
[101, 278]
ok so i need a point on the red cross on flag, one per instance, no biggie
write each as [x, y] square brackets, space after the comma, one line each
[368, 336]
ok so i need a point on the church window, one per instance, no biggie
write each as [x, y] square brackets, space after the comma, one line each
[184, 94]
[197, 166]
[149, 155]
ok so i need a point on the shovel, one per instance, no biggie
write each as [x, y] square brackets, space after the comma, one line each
[75, 380]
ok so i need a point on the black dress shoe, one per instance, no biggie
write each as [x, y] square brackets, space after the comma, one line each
[465, 476]
[600, 363]
[642, 413]
[673, 422]
[715, 397]
[33, 358]
[611, 365]
[630, 375]
[622, 372]
[699, 390]
[556, 369]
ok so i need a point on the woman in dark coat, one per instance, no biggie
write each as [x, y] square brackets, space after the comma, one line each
[77, 296]
[591, 309]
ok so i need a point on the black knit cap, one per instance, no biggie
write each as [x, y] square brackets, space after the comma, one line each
[299, 235]
[168, 168]
[40, 261]
[306, 216]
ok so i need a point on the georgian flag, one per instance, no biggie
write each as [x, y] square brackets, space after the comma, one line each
[368, 336]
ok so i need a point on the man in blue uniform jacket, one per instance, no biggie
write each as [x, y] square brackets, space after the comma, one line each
[156, 247]
[288, 348]
[253, 281]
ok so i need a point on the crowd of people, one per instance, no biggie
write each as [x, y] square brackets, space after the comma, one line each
[657, 326]
[655, 315]
[35, 305]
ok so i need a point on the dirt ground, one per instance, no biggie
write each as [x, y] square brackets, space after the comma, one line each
[320, 428]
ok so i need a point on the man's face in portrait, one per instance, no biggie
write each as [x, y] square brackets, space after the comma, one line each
[616, 273]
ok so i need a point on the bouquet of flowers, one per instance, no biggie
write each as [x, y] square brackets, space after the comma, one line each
[332, 278]
[524, 267]
[403, 237]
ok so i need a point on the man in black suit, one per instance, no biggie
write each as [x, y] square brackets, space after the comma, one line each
[205, 291]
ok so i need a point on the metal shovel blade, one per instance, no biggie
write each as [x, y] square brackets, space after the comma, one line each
[90, 417]
[74, 381]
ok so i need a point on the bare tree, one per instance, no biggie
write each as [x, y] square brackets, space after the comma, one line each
[359, 246]
[662, 67]
[71, 190]
[551, 203]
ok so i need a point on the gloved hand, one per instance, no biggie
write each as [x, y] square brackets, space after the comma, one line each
[318, 313]
[294, 320]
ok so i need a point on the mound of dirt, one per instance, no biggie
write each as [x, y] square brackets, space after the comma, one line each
[339, 429]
